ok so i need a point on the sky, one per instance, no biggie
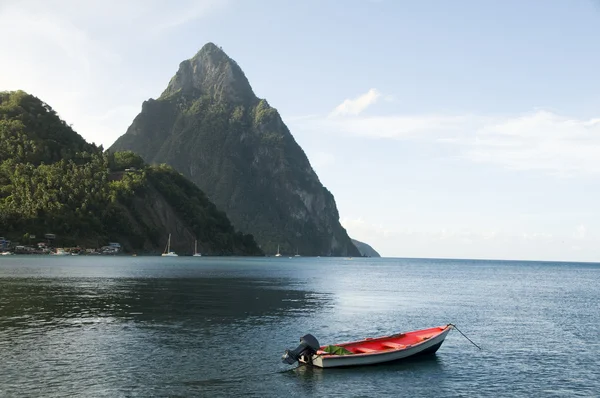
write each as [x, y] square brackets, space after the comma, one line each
[463, 129]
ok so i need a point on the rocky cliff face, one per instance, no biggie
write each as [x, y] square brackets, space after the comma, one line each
[151, 211]
[209, 125]
[211, 72]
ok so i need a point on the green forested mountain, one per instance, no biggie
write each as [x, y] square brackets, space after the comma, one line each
[210, 126]
[31, 132]
[52, 181]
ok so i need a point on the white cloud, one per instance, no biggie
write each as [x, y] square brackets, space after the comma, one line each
[400, 127]
[466, 242]
[356, 105]
[539, 140]
[137, 17]
[360, 229]
[580, 232]
[536, 236]
[49, 48]
[322, 159]
[76, 55]
[367, 231]
[191, 12]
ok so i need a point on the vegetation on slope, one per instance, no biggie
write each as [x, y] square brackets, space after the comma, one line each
[52, 181]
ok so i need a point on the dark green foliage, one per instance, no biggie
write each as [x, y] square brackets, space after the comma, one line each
[62, 196]
[52, 181]
[50, 178]
[207, 223]
[120, 161]
[31, 132]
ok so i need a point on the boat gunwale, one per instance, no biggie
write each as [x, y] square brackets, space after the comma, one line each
[445, 329]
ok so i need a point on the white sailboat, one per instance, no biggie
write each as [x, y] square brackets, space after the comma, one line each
[297, 254]
[196, 254]
[168, 252]
[278, 254]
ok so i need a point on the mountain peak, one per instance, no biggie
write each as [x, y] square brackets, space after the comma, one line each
[210, 127]
[212, 49]
[211, 72]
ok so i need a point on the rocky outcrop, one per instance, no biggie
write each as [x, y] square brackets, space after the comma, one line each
[365, 249]
[151, 212]
[209, 125]
[211, 72]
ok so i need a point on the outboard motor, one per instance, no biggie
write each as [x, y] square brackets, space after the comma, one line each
[307, 348]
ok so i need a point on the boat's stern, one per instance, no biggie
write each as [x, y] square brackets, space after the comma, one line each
[304, 352]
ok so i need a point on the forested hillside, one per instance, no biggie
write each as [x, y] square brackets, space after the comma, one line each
[53, 181]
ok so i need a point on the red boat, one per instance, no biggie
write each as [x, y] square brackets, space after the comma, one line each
[369, 351]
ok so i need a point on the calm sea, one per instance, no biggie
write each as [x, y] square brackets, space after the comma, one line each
[181, 327]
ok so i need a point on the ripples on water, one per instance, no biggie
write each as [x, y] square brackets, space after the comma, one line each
[218, 326]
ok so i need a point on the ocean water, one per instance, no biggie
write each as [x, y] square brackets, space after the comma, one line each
[184, 327]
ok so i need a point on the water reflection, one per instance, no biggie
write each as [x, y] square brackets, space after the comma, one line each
[197, 302]
[104, 335]
[423, 363]
[358, 380]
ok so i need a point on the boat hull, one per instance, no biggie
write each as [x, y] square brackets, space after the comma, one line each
[426, 347]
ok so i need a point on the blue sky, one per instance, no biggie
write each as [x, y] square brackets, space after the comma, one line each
[466, 129]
